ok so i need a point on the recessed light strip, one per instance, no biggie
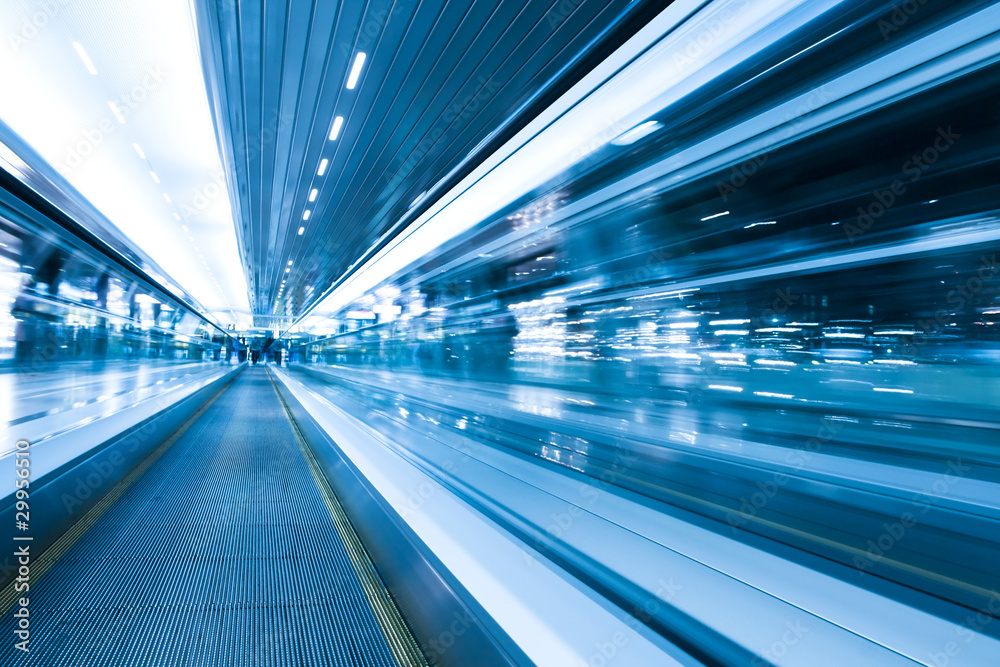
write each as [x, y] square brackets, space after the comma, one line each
[338, 122]
[359, 62]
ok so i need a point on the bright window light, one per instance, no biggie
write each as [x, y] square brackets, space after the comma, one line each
[419, 198]
[305, 214]
[85, 58]
[337, 123]
[116, 112]
[359, 62]
[312, 194]
[636, 133]
[716, 215]
[322, 166]
[152, 51]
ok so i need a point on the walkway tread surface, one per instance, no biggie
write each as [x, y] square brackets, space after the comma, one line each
[222, 554]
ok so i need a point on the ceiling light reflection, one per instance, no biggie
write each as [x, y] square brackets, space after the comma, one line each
[116, 112]
[85, 58]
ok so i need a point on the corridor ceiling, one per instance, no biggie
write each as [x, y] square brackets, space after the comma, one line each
[323, 164]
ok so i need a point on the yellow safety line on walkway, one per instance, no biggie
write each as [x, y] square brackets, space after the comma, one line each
[50, 556]
[401, 642]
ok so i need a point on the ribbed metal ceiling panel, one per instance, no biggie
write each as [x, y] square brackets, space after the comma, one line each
[439, 76]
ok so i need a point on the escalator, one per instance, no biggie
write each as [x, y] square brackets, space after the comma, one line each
[225, 547]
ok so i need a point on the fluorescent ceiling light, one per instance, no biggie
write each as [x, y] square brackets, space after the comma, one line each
[312, 195]
[322, 166]
[337, 123]
[85, 58]
[139, 151]
[167, 197]
[359, 62]
[156, 179]
[717, 215]
[636, 133]
[757, 224]
[305, 214]
[301, 230]
[289, 262]
[116, 112]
